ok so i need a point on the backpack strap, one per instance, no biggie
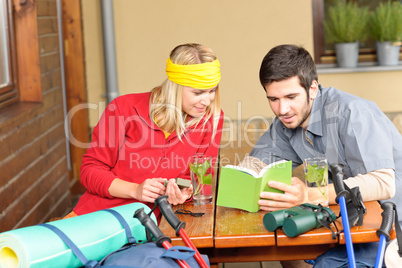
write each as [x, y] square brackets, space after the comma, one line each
[326, 220]
[356, 207]
[179, 253]
[77, 252]
[124, 223]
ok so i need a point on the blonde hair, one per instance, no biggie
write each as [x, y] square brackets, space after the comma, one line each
[166, 100]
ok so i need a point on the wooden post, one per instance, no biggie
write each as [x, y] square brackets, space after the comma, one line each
[75, 88]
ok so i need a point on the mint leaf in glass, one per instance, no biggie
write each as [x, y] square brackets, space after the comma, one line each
[318, 175]
[200, 170]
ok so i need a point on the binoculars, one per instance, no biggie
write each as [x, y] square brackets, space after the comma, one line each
[298, 220]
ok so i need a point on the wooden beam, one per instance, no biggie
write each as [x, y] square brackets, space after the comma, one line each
[75, 88]
[27, 50]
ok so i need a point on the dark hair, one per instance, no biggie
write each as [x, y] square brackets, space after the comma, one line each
[286, 61]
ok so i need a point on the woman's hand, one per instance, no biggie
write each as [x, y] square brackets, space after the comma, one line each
[177, 195]
[150, 189]
[294, 195]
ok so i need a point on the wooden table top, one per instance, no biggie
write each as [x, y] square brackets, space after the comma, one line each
[199, 229]
[371, 223]
[233, 235]
[238, 228]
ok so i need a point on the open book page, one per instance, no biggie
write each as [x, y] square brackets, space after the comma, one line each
[269, 166]
[252, 163]
[252, 172]
[245, 170]
[239, 189]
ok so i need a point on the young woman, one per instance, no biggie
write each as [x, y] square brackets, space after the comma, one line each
[144, 139]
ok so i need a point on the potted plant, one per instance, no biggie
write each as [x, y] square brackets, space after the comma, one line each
[385, 25]
[345, 26]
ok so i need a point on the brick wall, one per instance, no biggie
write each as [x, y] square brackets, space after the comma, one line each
[34, 179]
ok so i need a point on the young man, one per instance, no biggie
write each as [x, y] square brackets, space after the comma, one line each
[313, 121]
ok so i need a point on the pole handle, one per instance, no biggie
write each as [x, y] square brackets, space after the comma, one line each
[168, 213]
[387, 220]
[337, 179]
[150, 225]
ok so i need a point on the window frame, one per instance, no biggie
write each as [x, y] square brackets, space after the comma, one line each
[322, 56]
[26, 73]
[9, 93]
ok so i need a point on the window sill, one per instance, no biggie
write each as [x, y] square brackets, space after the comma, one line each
[362, 67]
[18, 112]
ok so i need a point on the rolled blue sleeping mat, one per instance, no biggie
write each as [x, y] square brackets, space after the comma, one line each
[96, 235]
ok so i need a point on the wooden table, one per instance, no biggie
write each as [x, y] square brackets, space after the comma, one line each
[233, 235]
[199, 229]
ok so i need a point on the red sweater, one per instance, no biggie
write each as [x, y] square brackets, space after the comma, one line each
[126, 144]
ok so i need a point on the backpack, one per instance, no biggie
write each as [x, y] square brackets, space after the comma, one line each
[132, 254]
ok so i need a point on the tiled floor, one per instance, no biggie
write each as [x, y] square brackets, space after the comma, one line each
[266, 264]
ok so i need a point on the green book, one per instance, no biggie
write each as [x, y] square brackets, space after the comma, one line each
[240, 187]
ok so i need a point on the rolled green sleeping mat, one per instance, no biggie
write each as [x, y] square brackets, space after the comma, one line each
[96, 235]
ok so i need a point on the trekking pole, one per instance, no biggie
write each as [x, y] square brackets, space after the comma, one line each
[161, 239]
[385, 229]
[178, 225]
[341, 195]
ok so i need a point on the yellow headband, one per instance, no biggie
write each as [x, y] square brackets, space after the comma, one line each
[199, 76]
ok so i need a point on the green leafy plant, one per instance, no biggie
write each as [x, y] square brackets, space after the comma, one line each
[200, 170]
[385, 22]
[346, 22]
[318, 175]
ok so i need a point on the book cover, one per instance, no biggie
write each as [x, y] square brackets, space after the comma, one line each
[240, 187]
